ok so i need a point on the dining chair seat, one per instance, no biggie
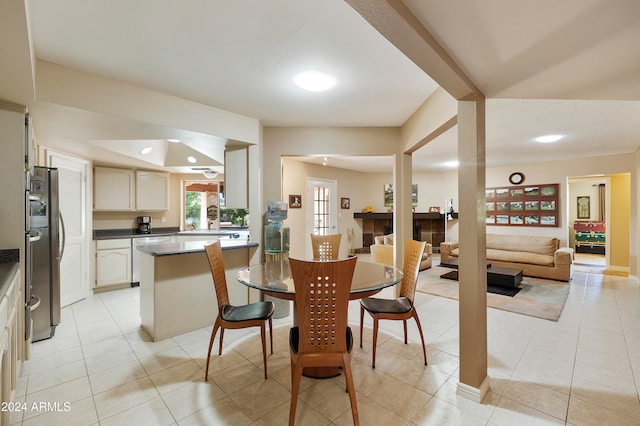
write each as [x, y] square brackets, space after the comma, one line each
[400, 308]
[400, 305]
[234, 317]
[254, 311]
[294, 339]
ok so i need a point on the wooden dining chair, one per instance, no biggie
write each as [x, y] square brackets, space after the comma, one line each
[321, 337]
[401, 308]
[234, 317]
[326, 246]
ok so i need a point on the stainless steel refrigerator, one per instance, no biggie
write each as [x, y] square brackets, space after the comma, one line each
[46, 240]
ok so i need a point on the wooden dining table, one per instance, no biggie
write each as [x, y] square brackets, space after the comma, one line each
[274, 279]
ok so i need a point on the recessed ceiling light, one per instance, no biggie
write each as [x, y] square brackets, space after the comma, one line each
[548, 138]
[146, 150]
[315, 81]
[452, 164]
[191, 159]
[173, 140]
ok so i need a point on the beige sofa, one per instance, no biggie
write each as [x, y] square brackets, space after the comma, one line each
[537, 256]
[382, 252]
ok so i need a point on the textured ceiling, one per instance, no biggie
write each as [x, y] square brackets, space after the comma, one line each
[566, 67]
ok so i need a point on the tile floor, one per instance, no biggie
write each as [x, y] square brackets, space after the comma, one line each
[582, 370]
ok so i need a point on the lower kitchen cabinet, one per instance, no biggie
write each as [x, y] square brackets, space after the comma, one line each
[10, 354]
[113, 262]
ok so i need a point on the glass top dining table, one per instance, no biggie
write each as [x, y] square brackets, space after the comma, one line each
[274, 278]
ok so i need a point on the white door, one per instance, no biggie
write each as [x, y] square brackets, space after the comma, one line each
[322, 213]
[72, 176]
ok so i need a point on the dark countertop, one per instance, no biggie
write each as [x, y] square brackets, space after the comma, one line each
[185, 247]
[108, 234]
[9, 266]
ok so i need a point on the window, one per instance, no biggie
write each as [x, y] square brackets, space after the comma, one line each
[202, 201]
[204, 208]
[321, 212]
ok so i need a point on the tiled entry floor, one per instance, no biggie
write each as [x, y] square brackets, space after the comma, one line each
[582, 370]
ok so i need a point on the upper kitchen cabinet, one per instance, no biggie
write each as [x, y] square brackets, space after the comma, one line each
[126, 190]
[236, 188]
[113, 189]
[152, 191]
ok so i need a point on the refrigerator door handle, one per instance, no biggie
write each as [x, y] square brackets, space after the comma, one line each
[64, 237]
[34, 306]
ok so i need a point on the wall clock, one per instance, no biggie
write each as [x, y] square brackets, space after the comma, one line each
[516, 178]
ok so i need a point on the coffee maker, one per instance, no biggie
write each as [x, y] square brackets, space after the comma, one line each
[144, 225]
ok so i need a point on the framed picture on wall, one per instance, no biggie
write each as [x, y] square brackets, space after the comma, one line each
[388, 194]
[584, 207]
[345, 203]
[295, 201]
[531, 205]
[414, 195]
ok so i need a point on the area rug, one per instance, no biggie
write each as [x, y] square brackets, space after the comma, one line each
[537, 297]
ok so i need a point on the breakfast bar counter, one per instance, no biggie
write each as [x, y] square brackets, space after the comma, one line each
[176, 288]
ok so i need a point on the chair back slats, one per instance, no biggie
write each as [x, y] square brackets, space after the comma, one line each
[322, 301]
[326, 246]
[413, 251]
[216, 263]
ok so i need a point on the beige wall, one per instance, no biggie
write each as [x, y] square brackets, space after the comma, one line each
[559, 172]
[349, 185]
[279, 142]
[433, 188]
[620, 221]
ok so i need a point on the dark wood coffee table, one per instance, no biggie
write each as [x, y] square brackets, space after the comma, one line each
[496, 275]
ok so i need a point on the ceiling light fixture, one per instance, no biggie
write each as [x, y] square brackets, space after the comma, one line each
[191, 159]
[548, 138]
[452, 164]
[173, 140]
[210, 174]
[146, 150]
[315, 81]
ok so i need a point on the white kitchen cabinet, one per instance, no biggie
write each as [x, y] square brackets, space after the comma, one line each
[10, 332]
[152, 191]
[113, 189]
[113, 262]
[236, 189]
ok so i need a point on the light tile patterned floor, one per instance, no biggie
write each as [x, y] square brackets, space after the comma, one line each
[582, 370]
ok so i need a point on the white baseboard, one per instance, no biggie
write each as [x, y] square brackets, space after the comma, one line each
[474, 394]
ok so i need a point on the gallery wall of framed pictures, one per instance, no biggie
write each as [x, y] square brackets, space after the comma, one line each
[528, 205]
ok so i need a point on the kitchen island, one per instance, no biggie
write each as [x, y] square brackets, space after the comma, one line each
[176, 288]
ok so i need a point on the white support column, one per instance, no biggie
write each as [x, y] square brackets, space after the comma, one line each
[402, 211]
[474, 382]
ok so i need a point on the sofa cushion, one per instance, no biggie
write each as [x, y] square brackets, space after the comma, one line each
[519, 257]
[515, 257]
[384, 239]
[518, 243]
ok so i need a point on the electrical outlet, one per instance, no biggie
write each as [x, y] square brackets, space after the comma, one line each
[164, 219]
